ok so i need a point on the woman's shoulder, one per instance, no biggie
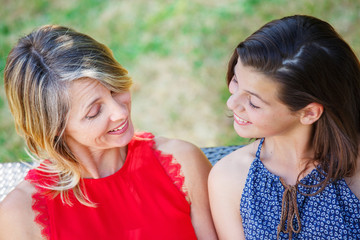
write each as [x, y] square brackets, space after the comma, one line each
[16, 213]
[18, 199]
[173, 143]
[188, 155]
[195, 168]
[194, 165]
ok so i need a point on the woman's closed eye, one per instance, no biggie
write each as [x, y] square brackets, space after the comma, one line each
[94, 112]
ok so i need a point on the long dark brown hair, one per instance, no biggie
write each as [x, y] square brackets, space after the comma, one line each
[312, 63]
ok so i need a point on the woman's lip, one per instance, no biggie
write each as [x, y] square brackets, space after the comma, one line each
[240, 121]
[121, 128]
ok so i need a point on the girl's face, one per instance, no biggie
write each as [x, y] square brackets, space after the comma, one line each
[257, 110]
[98, 118]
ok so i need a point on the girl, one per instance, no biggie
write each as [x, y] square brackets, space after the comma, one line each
[295, 87]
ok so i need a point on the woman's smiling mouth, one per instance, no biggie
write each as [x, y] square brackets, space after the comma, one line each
[121, 128]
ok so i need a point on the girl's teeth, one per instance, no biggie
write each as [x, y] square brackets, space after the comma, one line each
[240, 120]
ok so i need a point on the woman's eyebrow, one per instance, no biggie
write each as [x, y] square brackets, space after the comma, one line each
[86, 107]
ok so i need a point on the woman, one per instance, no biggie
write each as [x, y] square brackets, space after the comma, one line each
[71, 102]
[294, 87]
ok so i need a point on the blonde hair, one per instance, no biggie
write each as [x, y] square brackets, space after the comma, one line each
[38, 72]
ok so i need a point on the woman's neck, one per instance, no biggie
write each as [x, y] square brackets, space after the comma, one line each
[99, 164]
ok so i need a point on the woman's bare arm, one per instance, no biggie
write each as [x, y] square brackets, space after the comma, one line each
[195, 167]
[17, 216]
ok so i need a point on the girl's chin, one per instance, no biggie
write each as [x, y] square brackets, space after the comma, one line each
[242, 133]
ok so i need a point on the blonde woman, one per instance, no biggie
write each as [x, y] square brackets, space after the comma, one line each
[97, 179]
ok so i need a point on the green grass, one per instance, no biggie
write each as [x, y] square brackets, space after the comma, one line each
[176, 51]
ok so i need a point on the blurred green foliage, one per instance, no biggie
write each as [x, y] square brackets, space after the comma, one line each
[203, 33]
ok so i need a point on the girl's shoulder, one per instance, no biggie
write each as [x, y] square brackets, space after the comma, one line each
[228, 176]
[226, 183]
[354, 181]
[235, 166]
[16, 213]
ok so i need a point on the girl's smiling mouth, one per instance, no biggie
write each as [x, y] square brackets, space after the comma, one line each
[240, 121]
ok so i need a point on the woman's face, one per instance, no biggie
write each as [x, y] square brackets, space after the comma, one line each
[98, 119]
[256, 107]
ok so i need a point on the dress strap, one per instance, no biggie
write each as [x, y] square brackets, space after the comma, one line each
[259, 148]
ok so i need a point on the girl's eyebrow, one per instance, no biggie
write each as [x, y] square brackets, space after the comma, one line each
[249, 92]
[256, 95]
[252, 93]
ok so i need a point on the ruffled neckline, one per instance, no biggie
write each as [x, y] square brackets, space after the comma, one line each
[41, 195]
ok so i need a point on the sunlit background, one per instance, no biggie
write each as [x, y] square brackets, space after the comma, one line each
[176, 52]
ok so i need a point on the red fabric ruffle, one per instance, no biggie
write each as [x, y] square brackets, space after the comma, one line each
[39, 205]
[170, 165]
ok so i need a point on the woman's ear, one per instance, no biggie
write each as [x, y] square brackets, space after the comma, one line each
[311, 113]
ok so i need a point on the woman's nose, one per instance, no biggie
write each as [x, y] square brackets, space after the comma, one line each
[118, 111]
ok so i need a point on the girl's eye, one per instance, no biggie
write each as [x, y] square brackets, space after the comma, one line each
[94, 112]
[233, 85]
[252, 105]
[234, 79]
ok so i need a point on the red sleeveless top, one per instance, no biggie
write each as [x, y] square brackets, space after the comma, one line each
[143, 200]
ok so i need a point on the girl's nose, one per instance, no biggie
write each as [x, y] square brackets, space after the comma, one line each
[234, 102]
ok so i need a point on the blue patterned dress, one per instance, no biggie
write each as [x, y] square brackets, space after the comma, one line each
[334, 213]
